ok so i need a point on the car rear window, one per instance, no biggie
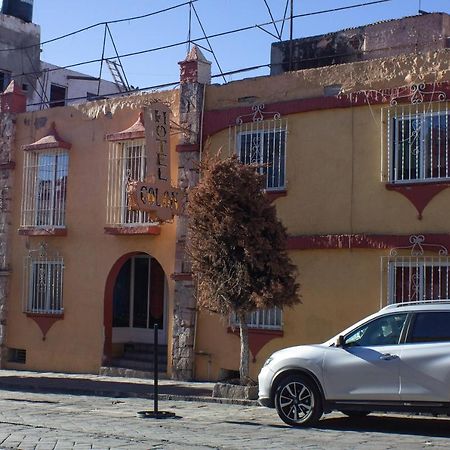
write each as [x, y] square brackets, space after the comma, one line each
[431, 327]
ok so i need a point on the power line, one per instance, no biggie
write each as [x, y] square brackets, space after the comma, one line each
[72, 33]
[212, 36]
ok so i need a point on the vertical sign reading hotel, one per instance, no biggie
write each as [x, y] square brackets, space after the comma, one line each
[157, 141]
[155, 195]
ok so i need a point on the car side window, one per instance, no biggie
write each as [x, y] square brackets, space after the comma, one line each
[384, 330]
[431, 327]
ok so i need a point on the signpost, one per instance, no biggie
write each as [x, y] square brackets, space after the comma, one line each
[156, 195]
[160, 200]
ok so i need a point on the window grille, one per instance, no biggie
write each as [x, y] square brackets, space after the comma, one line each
[263, 319]
[45, 188]
[416, 277]
[43, 283]
[262, 142]
[127, 161]
[418, 141]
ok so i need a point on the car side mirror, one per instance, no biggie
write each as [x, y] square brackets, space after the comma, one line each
[340, 341]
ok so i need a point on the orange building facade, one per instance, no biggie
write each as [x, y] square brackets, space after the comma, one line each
[357, 162]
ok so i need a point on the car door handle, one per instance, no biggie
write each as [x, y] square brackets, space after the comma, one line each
[388, 357]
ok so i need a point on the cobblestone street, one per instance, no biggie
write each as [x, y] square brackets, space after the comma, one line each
[53, 421]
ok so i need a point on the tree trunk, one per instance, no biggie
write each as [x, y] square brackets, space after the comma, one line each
[244, 362]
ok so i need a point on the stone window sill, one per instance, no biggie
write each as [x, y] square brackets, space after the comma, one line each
[37, 231]
[152, 230]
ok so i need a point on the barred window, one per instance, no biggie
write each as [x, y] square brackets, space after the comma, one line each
[45, 188]
[43, 284]
[418, 143]
[266, 148]
[127, 161]
[263, 319]
[419, 279]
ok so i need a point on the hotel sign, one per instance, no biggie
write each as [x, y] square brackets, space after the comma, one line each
[155, 195]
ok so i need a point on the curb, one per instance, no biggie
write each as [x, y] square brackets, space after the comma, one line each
[27, 387]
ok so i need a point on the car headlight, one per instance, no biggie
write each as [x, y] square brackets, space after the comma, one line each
[268, 361]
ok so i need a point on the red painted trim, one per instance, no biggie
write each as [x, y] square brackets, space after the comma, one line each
[136, 131]
[10, 165]
[34, 231]
[51, 140]
[258, 338]
[153, 230]
[183, 148]
[45, 321]
[361, 241]
[419, 194]
[273, 195]
[217, 120]
[125, 136]
[181, 276]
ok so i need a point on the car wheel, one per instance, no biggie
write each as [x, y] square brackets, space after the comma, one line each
[356, 414]
[298, 401]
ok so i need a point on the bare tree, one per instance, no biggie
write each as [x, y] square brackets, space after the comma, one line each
[238, 246]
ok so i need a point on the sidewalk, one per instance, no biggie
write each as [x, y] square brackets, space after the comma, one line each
[107, 386]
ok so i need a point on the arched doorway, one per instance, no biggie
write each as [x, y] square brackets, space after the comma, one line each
[135, 300]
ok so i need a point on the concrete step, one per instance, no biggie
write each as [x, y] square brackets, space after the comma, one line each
[112, 371]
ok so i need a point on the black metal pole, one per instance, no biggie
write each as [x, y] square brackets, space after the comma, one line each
[155, 370]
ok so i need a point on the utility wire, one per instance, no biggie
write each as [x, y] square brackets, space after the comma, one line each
[207, 40]
[224, 33]
[273, 20]
[127, 19]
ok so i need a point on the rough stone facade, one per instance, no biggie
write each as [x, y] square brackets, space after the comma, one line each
[7, 129]
[185, 310]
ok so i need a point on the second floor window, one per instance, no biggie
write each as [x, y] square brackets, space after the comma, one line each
[127, 161]
[419, 143]
[45, 188]
[268, 149]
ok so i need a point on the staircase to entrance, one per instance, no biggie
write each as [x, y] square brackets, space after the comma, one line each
[137, 361]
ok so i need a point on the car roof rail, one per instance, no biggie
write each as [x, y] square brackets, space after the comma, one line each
[417, 302]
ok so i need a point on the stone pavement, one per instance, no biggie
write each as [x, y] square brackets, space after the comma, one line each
[36, 421]
[32, 417]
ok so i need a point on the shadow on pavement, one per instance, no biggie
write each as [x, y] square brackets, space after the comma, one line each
[81, 386]
[425, 426]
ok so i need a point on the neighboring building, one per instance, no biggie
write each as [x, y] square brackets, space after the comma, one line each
[19, 53]
[60, 87]
[44, 84]
[358, 162]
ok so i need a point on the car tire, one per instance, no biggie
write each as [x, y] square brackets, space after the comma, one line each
[356, 414]
[298, 401]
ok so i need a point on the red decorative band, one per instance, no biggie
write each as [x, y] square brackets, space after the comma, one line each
[362, 241]
[183, 148]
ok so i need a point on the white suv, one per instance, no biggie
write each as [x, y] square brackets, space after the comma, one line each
[395, 360]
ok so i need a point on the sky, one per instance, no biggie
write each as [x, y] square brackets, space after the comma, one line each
[232, 51]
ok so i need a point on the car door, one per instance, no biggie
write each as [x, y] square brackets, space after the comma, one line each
[425, 357]
[366, 367]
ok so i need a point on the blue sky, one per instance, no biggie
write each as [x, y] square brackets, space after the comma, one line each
[233, 52]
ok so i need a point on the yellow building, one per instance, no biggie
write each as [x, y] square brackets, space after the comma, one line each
[357, 163]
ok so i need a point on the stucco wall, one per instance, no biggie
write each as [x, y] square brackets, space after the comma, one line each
[75, 343]
[334, 187]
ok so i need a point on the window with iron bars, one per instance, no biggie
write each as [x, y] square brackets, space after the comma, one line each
[127, 161]
[45, 188]
[43, 285]
[418, 279]
[262, 319]
[419, 143]
[263, 142]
